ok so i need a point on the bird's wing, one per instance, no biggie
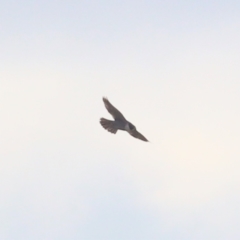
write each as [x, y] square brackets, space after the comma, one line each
[117, 115]
[138, 135]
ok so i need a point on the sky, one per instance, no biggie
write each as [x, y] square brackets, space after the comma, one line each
[172, 68]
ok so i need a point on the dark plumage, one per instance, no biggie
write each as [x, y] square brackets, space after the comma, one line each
[119, 123]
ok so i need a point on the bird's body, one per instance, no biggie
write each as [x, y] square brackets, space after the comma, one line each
[119, 123]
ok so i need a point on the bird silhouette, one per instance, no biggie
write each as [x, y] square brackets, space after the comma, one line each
[119, 123]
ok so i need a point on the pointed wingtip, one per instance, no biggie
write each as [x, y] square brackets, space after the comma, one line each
[105, 101]
[144, 140]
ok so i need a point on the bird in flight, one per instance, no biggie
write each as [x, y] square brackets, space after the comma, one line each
[119, 123]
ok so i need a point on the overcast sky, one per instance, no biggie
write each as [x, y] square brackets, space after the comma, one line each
[172, 68]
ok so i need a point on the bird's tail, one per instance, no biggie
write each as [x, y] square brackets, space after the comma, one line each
[108, 125]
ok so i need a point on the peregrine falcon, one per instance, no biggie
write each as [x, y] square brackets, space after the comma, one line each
[119, 123]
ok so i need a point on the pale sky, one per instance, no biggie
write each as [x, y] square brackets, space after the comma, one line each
[172, 68]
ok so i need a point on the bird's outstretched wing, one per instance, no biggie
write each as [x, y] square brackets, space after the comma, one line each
[138, 135]
[117, 115]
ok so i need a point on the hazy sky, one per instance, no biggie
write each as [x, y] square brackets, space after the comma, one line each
[172, 68]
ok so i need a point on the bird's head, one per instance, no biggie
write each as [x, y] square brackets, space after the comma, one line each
[131, 127]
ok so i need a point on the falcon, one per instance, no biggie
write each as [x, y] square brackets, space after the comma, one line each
[119, 123]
